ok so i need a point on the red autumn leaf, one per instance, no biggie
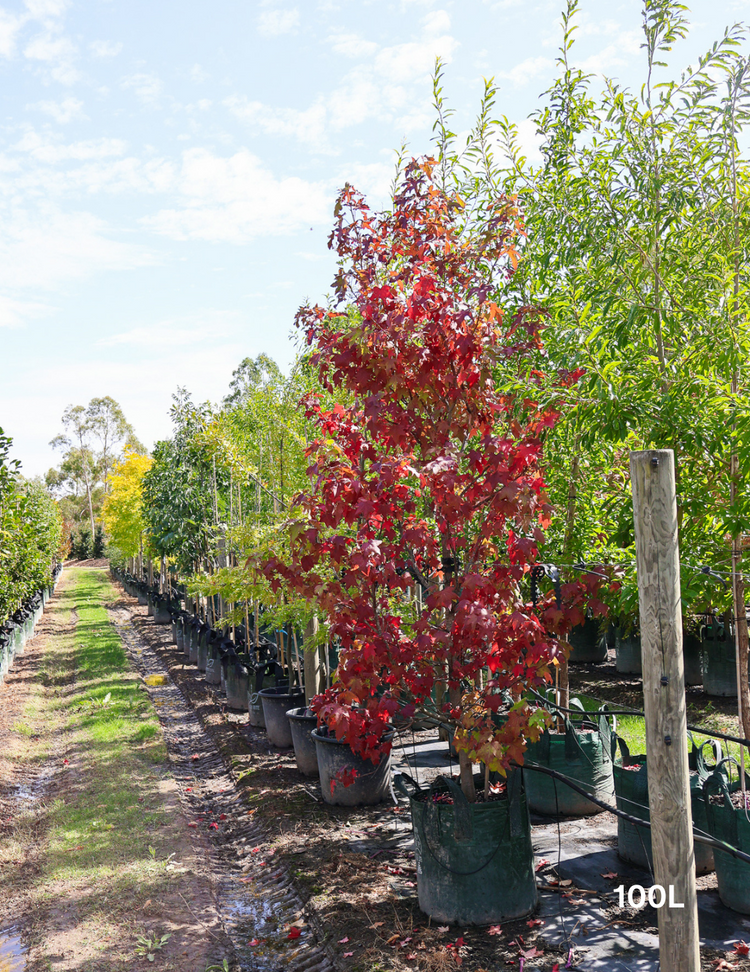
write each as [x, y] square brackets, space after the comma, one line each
[192, 824]
[215, 826]
[610, 875]
[254, 941]
[343, 941]
[294, 932]
[534, 922]
[494, 930]
[349, 954]
[742, 948]
[543, 863]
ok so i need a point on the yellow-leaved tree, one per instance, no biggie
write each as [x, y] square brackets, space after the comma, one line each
[122, 511]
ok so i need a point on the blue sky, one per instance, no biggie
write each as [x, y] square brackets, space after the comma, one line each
[168, 170]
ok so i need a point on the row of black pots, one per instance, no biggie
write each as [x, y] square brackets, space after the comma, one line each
[709, 656]
[18, 629]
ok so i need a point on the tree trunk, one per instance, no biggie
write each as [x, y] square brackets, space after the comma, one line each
[311, 660]
[563, 695]
[741, 642]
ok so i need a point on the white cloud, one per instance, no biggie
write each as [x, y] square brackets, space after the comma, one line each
[235, 199]
[56, 53]
[199, 328]
[104, 48]
[9, 28]
[44, 9]
[42, 247]
[64, 111]
[351, 45]
[272, 23]
[53, 151]
[148, 87]
[198, 74]
[382, 89]
[528, 70]
[15, 313]
[436, 22]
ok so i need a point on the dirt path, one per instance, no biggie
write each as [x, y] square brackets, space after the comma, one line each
[93, 853]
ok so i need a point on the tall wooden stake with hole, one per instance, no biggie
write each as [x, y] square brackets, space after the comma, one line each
[658, 562]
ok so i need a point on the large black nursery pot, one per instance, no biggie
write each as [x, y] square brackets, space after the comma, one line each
[628, 653]
[631, 788]
[277, 701]
[729, 824]
[264, 674]
[207, 636]
[238, 683]
[475, 862]
[692, 648]
[588, 643]
[142, 594]
[302, 721]
[216, 651]
[371, 781]
[162, 614]
[584, 753]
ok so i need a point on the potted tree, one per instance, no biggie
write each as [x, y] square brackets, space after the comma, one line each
[417, 535]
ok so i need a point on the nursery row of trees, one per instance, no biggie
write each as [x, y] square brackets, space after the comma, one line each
[461, 412]
[31, 532]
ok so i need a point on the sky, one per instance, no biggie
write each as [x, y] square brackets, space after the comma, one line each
[168, 170]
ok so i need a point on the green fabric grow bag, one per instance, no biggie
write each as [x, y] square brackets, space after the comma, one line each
[631, 789]
[586, 757]
[628, 654]
[588, 643]
[730, 824]
[475, 863]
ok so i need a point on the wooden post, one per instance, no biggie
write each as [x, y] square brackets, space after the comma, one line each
[658, 563]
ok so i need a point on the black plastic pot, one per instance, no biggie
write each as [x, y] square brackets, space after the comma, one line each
[302, 721]
[586, 757]
[588, 643]
[277, 701]
[238, 684]
[162, 614]
[371, 783]
[213, 662]
[628, 654]
[207, 636]
[692, 647]
[475, 862]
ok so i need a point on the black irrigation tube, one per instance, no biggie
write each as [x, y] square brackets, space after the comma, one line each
[709, 841]
[642, 715]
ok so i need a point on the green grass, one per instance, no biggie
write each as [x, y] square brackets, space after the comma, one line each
[104, 828]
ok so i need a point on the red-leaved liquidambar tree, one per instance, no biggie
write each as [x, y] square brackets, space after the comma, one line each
[426, 504]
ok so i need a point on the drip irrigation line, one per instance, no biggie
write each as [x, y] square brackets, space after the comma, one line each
[712, 733]
[698, 836]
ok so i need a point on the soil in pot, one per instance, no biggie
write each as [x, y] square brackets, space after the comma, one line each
[371, 781]
[302, 721]
[276, 703]
[475, 862]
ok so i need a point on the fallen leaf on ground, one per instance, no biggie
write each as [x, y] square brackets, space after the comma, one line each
[494, 930]
[294, 932]
[442, 929]
[393, 939]
[543, 863]
[529, 953]
[742, 948]
[534, 922]
[377, 924]
[343, 941]
[254, 941]
[610, 875]
[348, 954]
